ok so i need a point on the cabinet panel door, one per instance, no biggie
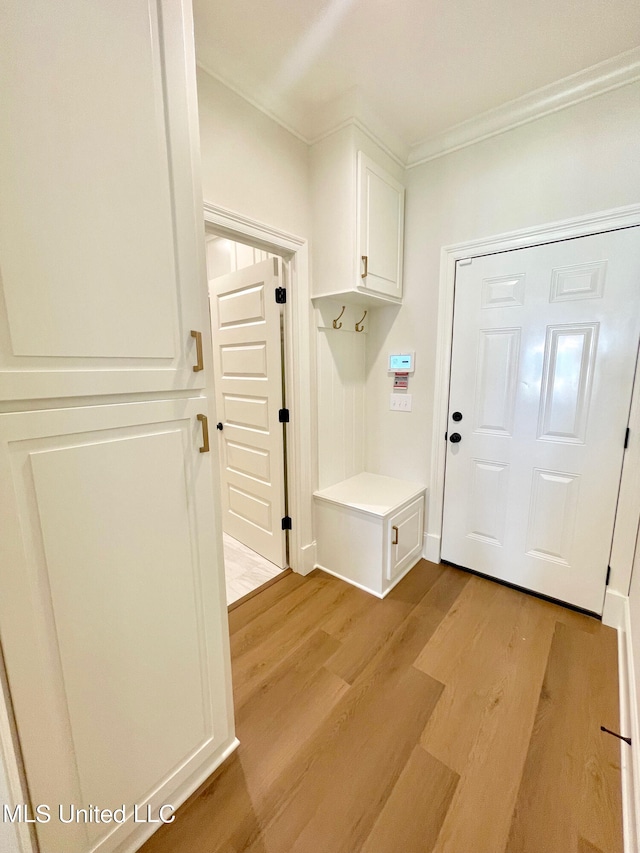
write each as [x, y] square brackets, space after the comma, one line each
[100, 233]
[380, 228]
[112, 614]
[405, 537]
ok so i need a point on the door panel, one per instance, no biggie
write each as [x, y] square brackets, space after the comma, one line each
[497, 373]
[406, 528]
[545, 341]
[245, 322]
[570, 353]
[112, 621]
[97, 248]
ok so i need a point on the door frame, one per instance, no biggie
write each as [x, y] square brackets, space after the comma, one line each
[298, 366]
[582, 226]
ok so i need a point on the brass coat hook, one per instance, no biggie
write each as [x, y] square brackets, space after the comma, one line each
[337, 325]
[359, 325]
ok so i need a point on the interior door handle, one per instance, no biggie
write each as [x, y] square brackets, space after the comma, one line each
[199, 365]
[205, 433]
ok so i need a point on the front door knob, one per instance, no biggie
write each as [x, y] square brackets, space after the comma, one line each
[455, 437]
[457, 416]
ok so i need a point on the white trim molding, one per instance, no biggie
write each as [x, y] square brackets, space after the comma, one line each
[629, 727]
[582, 226]
[589, 83]
[299, 369]
[596, 80]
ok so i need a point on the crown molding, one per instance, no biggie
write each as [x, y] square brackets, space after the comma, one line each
[604, 77]
[387, 141]
[253, 102]
[354, 121]
[596, 80]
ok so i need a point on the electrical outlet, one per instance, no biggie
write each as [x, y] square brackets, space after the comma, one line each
[400, 403]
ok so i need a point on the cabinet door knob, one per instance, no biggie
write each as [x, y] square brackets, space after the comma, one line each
[394, 541]
[199, 365]
[365, 261]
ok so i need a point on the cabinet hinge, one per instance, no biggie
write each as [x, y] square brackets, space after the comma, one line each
[606, 583]
[286, 522]
[283, 416]
[626, 439]
[281, 295]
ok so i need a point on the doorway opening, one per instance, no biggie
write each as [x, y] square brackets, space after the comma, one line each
[247, 299]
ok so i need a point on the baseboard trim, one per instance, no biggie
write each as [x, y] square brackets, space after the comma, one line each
[364, 588]
[629, 726]
[613, 610]
[432, 547]
[180, 796]
[307, 563]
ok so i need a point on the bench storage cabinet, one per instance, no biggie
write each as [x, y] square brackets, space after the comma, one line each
[369, 530]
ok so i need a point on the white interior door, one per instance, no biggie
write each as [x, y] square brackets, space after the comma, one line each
[247, 355]
[544, 348]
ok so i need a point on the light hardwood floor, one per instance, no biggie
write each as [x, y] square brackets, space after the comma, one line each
[456, 716]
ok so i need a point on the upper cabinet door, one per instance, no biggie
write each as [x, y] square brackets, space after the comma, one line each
[98, 116]
[380, 228]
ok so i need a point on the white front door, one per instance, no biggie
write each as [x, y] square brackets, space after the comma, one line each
[247, 355]
[544, 349]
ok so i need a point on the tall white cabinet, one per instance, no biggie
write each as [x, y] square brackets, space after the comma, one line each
[112, 616]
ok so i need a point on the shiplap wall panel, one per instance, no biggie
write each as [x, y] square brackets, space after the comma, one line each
[341, 379]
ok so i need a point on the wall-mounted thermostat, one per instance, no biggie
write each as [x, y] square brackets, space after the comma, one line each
[402, 362]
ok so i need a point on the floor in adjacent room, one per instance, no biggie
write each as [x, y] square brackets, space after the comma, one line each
[455, 715]
[244, 570]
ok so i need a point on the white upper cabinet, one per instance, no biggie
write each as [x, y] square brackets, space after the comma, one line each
[358, 220]
[98, 216]
[380, 228]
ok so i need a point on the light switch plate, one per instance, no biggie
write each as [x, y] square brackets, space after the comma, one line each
[400, 402]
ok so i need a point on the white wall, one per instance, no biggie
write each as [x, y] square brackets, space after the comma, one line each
[250, 164]
[582, 159]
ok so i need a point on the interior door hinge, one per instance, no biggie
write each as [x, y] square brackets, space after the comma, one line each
[286, 522]
[281, 295]
[283, 416]
[626, 439]
[606, 583]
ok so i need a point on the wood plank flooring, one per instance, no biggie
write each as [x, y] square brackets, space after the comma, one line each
[455, 715]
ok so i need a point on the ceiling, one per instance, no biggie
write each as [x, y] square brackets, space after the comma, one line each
[418, 66]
